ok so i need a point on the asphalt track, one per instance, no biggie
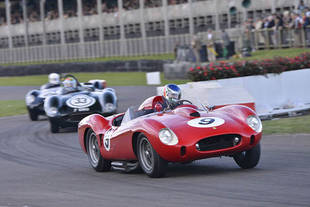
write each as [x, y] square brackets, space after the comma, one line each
[38, 168]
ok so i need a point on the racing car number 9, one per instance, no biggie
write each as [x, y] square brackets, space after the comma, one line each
[80, 101]
[206, 122]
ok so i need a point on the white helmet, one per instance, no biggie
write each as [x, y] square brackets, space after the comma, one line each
[54, 78]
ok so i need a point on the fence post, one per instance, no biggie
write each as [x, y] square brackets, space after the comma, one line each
[166, 21]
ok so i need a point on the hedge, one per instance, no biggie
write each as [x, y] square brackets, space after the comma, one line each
[221, 70]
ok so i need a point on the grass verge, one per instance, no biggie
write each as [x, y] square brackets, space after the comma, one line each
[292, 125]
[12, 107]
[112, 78]
[269, 54]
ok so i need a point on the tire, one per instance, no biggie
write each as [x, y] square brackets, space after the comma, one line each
[150, 162]
[33, 115]
[54, 127]
[248, 159]
[93, 152]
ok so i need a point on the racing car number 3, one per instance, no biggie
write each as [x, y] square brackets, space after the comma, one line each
[80, 101]
[206, 122]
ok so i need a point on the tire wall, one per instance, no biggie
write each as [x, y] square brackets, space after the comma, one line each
[108, 66]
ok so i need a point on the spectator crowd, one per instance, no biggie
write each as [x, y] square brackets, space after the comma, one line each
[281, 28]
[70, 8]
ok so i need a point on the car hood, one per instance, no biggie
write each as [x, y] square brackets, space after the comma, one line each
[188, 122]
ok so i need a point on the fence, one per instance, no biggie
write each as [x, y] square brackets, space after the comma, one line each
[258, 39]
[107, 48]
[281, 38]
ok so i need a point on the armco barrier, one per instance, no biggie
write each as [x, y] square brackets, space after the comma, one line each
[272, 94]
[107, 66]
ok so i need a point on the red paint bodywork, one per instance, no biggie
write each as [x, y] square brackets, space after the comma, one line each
[122, 138]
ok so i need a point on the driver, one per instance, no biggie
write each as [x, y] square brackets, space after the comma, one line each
[172, 95]
[69, 85]
[53, 81]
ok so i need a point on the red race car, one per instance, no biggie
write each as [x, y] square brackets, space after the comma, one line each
[153, 135]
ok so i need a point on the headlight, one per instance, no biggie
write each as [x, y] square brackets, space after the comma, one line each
[30, 99]
[109, 107]
[167, 137]
[255, 123]
[52, 111]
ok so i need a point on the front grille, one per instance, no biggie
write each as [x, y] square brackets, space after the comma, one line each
[218, 142]
[76, 117]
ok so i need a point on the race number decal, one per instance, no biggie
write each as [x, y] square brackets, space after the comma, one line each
[206, 122]
[80, 101]
[107, 139]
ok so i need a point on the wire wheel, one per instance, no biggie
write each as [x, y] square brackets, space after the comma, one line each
[93, 149]
[94, 155]
[146, 154]
[150, 162]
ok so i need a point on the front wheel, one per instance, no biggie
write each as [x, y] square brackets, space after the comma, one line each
[248, 159]
[93, 151]
[54, 127]
[33, 115]
[151, 163]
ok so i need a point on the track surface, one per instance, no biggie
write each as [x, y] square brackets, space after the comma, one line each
[38, 168]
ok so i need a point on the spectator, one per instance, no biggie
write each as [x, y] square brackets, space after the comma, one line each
[270, 29]
[301, 7]
[307, 27]
[279, 30]
[196, 45]
[297, 26]
[226, 44]
[258, 26]
[210, 46]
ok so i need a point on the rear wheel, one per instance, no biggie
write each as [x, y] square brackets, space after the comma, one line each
[151, 163]
[248, 159]
[93, 151]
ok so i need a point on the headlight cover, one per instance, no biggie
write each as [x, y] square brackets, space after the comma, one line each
[109, 106]
[52, 111]
[168, 137]
[30, 99]
[255, 123]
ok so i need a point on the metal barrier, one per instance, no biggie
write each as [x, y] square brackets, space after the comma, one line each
[107, 48]
[256, 39]
[280, 38]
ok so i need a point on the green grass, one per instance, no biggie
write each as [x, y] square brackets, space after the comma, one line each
[292, 125]
[112, 78]
[12, 107]
[266, 54]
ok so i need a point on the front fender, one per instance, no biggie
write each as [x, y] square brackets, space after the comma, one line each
[150, 128]
[96, 122]
[238, 112]
[34, 93]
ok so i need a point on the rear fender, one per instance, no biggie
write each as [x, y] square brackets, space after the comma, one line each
[97, 123]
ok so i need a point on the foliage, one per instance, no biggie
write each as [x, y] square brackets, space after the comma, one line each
[221, 70]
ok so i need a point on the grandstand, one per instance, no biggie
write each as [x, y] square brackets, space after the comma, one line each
[33, 30]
